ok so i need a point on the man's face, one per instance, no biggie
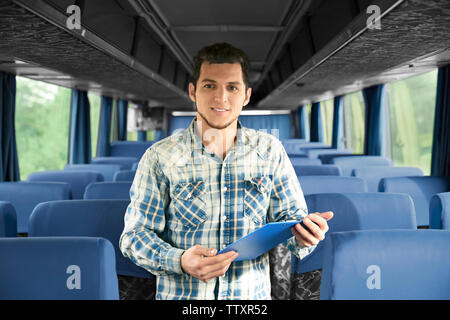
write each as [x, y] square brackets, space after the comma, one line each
[220, 94]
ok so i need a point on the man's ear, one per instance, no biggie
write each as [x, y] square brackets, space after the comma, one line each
[247, 96]
[192, 91]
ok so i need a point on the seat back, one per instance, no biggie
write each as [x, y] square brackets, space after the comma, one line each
[303, 161]
[125, 162]
[315, 153]
[8, 220]
[318, 170]
[421, 189]
[349, 163]
[440, 211]
[374, 174]
[90, 218]
[77, 180]
[386, 264]
[24, 196]
[57, 268]
[108, 190]
[124, 175]
[107, 170]
[330, 184]
[129, 148]
[357, 211]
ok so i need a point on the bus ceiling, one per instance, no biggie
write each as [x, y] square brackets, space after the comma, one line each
[301, 51]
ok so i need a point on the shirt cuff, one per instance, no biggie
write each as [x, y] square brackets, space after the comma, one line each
[298, 250]
[171, 260]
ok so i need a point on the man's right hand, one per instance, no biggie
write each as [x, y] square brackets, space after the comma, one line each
[204, 264]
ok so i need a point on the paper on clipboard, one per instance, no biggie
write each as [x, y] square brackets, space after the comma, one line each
[261, 240]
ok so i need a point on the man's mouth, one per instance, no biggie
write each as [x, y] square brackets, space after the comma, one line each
[220, 109]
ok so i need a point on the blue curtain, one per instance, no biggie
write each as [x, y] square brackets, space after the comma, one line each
[122, 109]
[278, 125]
[142, 136]
[303, 123]
[177, 123]
[440, 163]
[80, 128]
[9, 164]
[104, 127]
[159, 134]
[317, 130]
[338, 140]
[375, 143]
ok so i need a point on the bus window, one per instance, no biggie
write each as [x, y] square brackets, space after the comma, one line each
[327, 116]
[94, 105]
[42, 126]
[354, 118]
[411, 116]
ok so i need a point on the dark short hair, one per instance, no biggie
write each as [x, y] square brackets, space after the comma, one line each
[221, 53]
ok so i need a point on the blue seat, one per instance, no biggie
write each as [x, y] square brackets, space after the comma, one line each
[8, 220]
[374, 174]
[24, 196]
[330, 184]
[315, 153]
[108, 190]
[317, 170]
[348, 163]
[357, 211]
[77, 180]
[129, 148]
[386, 264]
[107, 170]
[421, 189]
[125, 162]
[327, 158]
[124, 175]
[135, 166]
[66, 268]
[90, 218]
[440, 211]
[303, 161]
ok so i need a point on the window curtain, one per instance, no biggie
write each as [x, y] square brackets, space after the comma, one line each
[278, 125]
[80, 128]
[9, 164]
[142, 136]
[338, 140]
[104, 127]
[303, 123]
[122, 109]
[317, 130]
[375, 143]
[440, 163]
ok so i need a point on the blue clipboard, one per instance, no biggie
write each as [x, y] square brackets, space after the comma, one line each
[261, 240]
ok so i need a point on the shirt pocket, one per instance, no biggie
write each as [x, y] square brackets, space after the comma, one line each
[188, 204]
[257, 198]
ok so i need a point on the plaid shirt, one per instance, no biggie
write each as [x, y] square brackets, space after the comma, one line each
[183, 195]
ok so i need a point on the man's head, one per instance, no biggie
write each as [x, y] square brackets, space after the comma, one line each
[220, 84]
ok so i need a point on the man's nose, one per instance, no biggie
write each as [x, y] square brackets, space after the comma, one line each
[221, 95]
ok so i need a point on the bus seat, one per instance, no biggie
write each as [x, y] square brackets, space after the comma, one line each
[303, 161]
[129, 148]
[374, 174]
[348, 163]
[108, 190]
[24, 196]
[125, 162]
[77, 180]
[440, 211]
[57, 269]
[135, 166]
[357, 211]
[124, 175]
[317, 170]
[88, 218]
[386, 265]
[8, 220]
[315, 153]
[107, 170]
[330, 184]
[421, 189]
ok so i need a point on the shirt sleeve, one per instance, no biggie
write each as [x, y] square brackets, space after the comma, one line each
[145, 221]
[287, 200]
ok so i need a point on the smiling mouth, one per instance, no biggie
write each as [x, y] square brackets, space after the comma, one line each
[220, 109]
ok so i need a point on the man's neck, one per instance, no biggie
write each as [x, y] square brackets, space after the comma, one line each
[219, 141]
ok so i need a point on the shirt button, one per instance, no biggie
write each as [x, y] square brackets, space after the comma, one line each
[225, 188]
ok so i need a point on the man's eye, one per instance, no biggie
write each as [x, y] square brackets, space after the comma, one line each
[232, 88]
[209, 86]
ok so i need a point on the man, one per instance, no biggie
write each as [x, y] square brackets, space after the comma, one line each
[200, 190]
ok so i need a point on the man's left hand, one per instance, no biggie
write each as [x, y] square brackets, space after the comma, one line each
[318, 226]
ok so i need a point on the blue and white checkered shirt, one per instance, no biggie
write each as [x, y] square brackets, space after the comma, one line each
[183, 195]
